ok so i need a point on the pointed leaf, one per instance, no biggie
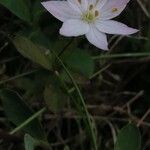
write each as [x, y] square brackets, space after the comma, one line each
[54, 95]
[17, 112]
[32, 51]
[18, 7]
[81, 62]
[29, 142]
[129, 138]
[54, 98]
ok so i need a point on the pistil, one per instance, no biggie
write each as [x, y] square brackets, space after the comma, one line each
[90, 16]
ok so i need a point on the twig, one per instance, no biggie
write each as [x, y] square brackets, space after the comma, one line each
[136, 97]
[113, 131]
[123, 55]
[116, 42]
[3, 47]
[95, 117]
[143, 8]
[100, 71]
[143, 118]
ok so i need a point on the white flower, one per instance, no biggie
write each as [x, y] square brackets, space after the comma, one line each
[90, 17]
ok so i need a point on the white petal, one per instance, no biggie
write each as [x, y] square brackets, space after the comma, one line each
[93, 2]
[74, 27]
[113, 8]
[78, 5]
[97, 38]
[60, 9]
[100, 4]
[114, 27]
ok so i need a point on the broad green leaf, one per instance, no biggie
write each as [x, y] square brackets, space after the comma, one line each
[32, 86]
[18, 7]
[54, 96]
[36, 36]
[31, 143]
[129, 138]
[66, 147]
[32, 51]
[37, 10]
[80, 79]
[39, 38]
[81, 62]
[17, 112]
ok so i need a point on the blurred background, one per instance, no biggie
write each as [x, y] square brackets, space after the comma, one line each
[115, 84]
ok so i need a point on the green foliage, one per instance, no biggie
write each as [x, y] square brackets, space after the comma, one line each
[19, 7]
[80, 61]
[54, 98]
[32, 51]
[81, 107]
[129, 138]
[32, 86]
[66, 148]
[37, 10]
[31, 143]
[17, 112]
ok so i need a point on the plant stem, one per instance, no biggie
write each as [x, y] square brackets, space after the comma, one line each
[28, 121]
[121, 55]
[99, 72]
[65, 48]
[18, 76]
[89, 122]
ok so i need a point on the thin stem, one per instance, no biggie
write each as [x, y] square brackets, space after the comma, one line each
[99, 72]
[18, 76]
[65, 48]
[121, 55]
[28, 121]
[82, 102]
[9, 59]
[143, 8]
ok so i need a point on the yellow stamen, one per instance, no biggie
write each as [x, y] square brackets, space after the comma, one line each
[96, 13]
[91, 7]
[114, 10]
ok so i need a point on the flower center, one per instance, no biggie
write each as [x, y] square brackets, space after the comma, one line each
[90, 15]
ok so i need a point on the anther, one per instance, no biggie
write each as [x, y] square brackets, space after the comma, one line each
[114, 10]
[96, 13]
[91, 7]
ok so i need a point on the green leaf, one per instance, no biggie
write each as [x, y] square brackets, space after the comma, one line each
[81, 62]
[29, 142]
[18, 7]
[66, 147]
[37, 10]
[54, 96]
[80, 79]
[17, 112]
[129, 138]
[32, 51]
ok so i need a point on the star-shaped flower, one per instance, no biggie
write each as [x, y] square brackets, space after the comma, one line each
[91, 18]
